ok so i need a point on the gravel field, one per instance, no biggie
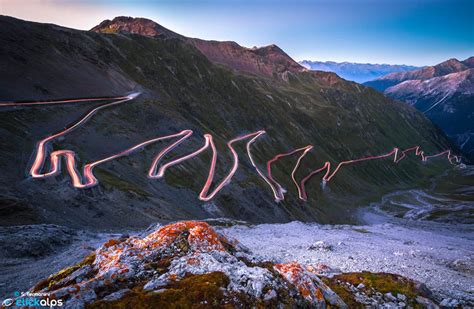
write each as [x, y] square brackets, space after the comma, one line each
[439, 255]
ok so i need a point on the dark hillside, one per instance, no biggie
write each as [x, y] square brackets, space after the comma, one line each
[181, 89]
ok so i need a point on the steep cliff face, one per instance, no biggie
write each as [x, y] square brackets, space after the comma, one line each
[182, 89]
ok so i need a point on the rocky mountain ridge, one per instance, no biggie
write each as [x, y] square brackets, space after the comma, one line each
[447, 67]
[267, 61]
[444, 92]
[440, 87]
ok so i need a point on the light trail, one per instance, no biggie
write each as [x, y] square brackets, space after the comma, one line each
[6, 104]
[88, 179]
[396, 159]
[204, 195]
[280, 195]
[69, 155]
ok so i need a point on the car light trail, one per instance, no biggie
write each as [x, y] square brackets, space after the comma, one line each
[396, 159]
[204, 195]
[6, 104]
[281, 192]
[88, 179]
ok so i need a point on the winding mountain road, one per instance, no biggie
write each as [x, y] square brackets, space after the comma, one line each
[156, 171]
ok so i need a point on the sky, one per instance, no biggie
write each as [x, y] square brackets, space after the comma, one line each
[414, 32]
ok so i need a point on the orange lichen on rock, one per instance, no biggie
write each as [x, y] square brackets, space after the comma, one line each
[318, 268]
[302, 279]
[115, 256]
[201, 236]
[165, 235]
[127, 271]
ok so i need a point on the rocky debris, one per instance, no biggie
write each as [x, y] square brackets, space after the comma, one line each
[428, 248]
[401, 297]
[389, 297]
[321, 246]
[426, 303]
[116, 295]
[33, 240]
[182, 264]
[322, 269]
[189, 263]
[465, 265]
[449, 303]
[226, 222]
[309, 285]
[379, 290]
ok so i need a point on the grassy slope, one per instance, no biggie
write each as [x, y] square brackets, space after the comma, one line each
[182, 89]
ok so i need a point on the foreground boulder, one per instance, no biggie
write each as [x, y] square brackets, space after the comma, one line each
[189, 264]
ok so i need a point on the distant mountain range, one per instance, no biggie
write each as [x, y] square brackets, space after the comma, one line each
[444, 92]
[358, 72]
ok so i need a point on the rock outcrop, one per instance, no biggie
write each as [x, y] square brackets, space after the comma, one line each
[189, 263]
[141, 26]
[183, 263]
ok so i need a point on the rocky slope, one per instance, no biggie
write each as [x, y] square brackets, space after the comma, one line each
[182, 89]
[135, 25]
[189, 263]
[444, 93]
[267, 61]
[358, 72]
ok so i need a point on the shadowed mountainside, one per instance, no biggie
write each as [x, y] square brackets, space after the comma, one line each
[444, 93]
[182, 89]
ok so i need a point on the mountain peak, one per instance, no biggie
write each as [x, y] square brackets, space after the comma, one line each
[135, 25]
[469, 62]
[271, 49]
[451, 61]
[449, 66]
[267, 60]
